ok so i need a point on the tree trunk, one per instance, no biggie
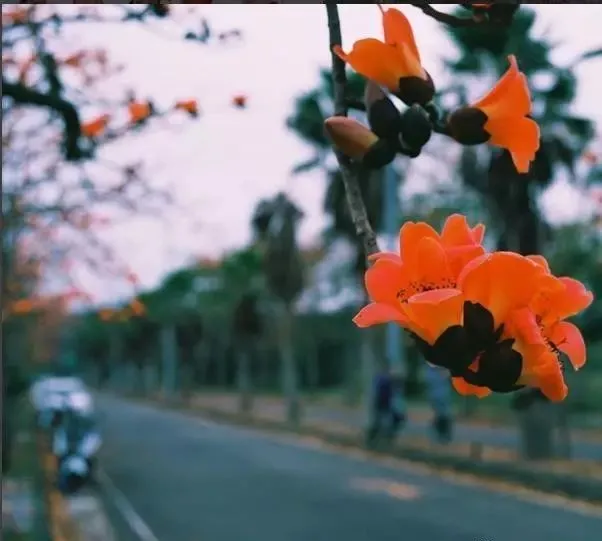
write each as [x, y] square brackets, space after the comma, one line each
[537, 421]
[243, 377]
[290, 383]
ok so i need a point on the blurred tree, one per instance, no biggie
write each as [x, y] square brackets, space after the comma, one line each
[275, 224]
[512, 197]
[241, 273]
[57, 119]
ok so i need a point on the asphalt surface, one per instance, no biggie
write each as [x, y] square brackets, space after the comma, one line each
[173, 477]
[496, 436]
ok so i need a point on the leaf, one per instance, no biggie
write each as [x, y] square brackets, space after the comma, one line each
[307, 165]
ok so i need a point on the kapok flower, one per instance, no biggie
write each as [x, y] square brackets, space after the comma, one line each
[240, 101]
[95, 127]
[139, 111]
[501, 119]
[358, 142]
[189, 106]
[394, 63]
[542, 333]
[461, 242]
[459, 324]
[427, 261]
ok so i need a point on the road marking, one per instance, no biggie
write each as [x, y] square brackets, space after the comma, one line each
[133, 519]
[400, 491]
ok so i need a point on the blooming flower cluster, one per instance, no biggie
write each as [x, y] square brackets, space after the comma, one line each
[501, 118]
[497, 321]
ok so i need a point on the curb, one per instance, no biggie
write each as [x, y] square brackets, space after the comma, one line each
[578, 487]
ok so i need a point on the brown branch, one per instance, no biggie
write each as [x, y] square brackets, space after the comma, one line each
[349, 171]
[28, 96]
[460, 22]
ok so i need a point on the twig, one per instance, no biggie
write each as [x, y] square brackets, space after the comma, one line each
[451, 20]
[349, 171]
[28, 96]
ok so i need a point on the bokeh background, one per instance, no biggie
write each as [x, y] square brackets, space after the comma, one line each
[185, 238]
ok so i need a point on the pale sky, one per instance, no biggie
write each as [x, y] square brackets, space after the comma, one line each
[219, 165]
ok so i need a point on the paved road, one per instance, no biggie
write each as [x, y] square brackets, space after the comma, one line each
[190, 480]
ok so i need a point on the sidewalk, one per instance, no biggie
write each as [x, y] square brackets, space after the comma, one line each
[586, 445]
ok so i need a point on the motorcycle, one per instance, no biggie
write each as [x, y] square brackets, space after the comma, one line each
[76, 441]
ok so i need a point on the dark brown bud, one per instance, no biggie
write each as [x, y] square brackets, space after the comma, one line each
[383, 117]
[416, 129]
[467, 126]
[380, 154]
[416, 90]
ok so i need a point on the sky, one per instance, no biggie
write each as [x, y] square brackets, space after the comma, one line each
[219, 165]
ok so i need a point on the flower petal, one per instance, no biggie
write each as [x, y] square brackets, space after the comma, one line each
[519, 135]
[432, 312]
[478, 233]
[377, 313]
[379, 62]
[509, 95]
[384, 280]
[410, 234]
[459, 256]
[456, 231]
[467, 389]
[431, 268]
[500, 282]
[397, 30]
[541, 261]
[561, 298]
[551, 382]
[568, 339]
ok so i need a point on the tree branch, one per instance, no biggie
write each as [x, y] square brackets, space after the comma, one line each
[349, 171]
[28, 96]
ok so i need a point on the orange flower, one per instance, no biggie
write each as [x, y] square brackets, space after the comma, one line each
[461, 242]
[501, 118]
[189, 106]
[542, 334]
[95, 127]
[75, 60]
[139, 111]
[427, 261]
[394, 63]
[495, 321]
[240, 101]
[138, 309]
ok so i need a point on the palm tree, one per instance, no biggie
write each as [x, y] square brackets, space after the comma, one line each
[275, 224]
[511, 198]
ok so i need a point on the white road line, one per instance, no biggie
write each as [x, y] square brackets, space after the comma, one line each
[133, 519]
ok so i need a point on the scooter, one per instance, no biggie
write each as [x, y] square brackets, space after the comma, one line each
[76, 442]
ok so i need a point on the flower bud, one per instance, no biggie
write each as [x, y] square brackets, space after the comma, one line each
[467, 126]
[413, 90]
[383, 117]
[416, 129]
[358, 142]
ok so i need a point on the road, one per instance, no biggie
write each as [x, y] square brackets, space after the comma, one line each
[179, 478]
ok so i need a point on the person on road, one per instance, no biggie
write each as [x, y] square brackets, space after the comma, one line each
[387, 413]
